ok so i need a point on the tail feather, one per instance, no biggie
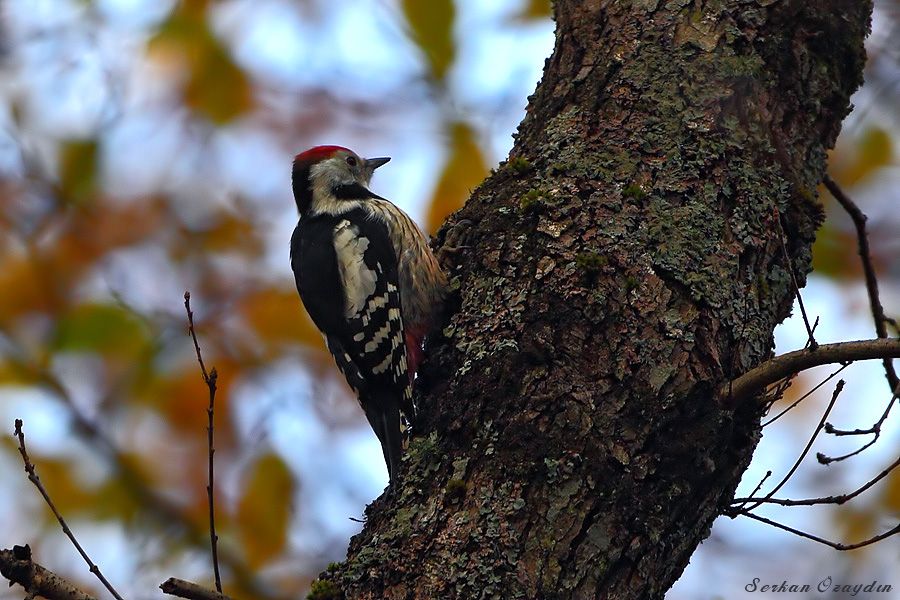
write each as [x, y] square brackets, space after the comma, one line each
[383, 414]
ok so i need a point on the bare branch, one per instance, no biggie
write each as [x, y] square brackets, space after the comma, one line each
[775, 369]
[837, 546]
[839, 499]
[743, 501]
[859, 221]
[16, 565]
[805, 396]
[837, 392]
[874, 429]
[186, 589]
[161, 508]
[210, 380]
[33, 477]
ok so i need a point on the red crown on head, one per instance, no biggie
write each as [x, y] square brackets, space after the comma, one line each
[317, 153]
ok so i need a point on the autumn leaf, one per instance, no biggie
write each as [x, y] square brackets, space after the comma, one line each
[432, 30]
[264, 509]
[834, 253]
[465, 169]
[534, 10]
[849, 163]
[102, 328]
[78, 171]
[277, 317]
[215, 86]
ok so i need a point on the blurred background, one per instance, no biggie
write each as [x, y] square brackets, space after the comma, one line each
[145, 150]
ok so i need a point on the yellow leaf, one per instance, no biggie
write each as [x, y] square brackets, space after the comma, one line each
[857, 524]
[834, 253]
[13, 372]
[214, 86]
[891, 496]
[873, 150]
[431, 22]
[264, 510]
[102, 328]
[535, 9]
[464, 170]
[78, 171]
[70, 495]
[218, 88]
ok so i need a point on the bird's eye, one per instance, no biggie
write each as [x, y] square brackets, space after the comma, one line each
[351, 160]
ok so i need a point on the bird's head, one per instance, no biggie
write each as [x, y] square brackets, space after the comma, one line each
[331, 174]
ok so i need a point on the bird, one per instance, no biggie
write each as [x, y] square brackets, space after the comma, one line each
[370, 283]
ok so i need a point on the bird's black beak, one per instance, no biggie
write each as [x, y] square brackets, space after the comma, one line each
[374, 163]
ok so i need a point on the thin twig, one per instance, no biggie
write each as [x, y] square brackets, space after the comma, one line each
[190, 316]
[813, 345]
[158, 506]
[776, 369]
[874, 429]
[815, 538]
[859, 221]
[210, 380]
[743, 501]
[186, 589]
[161, 508]
[839, 499]
[33, 477]
[805, 396]
[827, 460]
[837, 392]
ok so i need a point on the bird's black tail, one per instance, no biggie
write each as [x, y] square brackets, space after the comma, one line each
[383, 413]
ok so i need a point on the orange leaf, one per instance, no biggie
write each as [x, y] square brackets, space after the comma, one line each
[183, 398]
[24, 276]
[277, 315]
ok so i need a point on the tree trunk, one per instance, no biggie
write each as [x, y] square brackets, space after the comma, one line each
[625, 262]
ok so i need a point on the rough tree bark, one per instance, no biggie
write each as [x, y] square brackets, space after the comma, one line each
[624, 263]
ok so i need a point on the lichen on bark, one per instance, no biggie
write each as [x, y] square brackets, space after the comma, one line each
[623, 264]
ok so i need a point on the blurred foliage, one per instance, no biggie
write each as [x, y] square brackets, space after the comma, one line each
[214, 86]
[78, 170]
[93, 262]
[432, 29]
[100, 328]
[263, 511]
[536, 9]
[465, 168]
[871, 151]
[97, 244]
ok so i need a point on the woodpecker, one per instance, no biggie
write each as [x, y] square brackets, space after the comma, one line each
[369, 282]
